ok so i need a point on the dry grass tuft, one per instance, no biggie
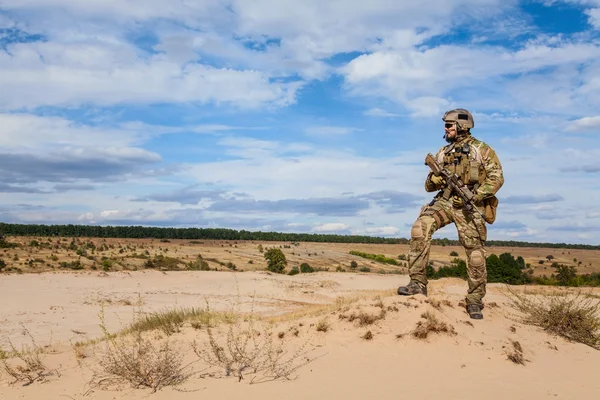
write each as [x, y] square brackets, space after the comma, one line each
[323, 325]
[29, 368]
[367, 336]
[516, 353]
[574, 317]
[138, 361]
[437, 304]
[431, 325]
[364, 318]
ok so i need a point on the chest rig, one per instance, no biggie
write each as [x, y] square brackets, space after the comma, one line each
[459, 159]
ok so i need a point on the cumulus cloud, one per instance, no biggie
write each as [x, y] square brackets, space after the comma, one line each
[70, 74]
[594, 17]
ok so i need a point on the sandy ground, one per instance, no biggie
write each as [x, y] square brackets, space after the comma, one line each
[58, 309]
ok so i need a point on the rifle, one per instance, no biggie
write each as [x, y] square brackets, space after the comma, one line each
[454, 183]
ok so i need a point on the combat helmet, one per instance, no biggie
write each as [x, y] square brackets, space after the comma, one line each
[462, 118]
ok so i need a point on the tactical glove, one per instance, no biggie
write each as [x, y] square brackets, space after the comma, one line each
[457, 202]
[437, 180]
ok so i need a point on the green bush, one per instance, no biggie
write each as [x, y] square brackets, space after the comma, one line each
[276, 260]
[453, 254]
[306, 268]
[294, 271]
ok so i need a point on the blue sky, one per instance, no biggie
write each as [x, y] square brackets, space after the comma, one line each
[311, 116]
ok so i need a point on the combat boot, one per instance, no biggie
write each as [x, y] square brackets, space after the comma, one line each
[474, 311]
[413, 287]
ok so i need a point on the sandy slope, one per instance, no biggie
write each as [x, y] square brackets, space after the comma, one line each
[471, 364]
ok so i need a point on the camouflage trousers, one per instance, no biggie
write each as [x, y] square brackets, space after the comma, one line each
[472, 234]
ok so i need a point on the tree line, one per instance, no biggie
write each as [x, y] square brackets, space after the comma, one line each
[143, 232]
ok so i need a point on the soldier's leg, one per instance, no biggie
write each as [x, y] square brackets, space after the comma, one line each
[472, 234]
[430, 220]
[420, 247]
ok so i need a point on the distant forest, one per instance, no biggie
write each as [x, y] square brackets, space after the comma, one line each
[138, 232]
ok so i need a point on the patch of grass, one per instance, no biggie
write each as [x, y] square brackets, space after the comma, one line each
[431, 325]
[574, 317]
[367, 336]
[364, 318]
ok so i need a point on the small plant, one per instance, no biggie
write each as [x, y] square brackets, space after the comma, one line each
[431, 325]
[305, 268]
[139, 361]
[31, 368]
[574, 317]
[367, 336]
[245, 350]
[294, 271]
[323, 325]
[453, 254]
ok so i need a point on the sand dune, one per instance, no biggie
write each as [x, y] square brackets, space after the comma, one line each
[366, 346]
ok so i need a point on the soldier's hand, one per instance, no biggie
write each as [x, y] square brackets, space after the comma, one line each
[437, 180]
[457, 202]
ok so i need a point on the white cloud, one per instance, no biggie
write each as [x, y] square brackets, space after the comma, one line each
[331, 227]
[378, 112]
[585, 124]
[34, 133]
[382, 231]
[428, 76]
[594, 17]
[61, 74]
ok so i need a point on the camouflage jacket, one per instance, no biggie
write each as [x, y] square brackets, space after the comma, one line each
[475, 162]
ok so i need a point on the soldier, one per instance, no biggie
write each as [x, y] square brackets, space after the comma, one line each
[478, 166]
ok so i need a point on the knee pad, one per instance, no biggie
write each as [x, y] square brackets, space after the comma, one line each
[476, 258]
[417, 231]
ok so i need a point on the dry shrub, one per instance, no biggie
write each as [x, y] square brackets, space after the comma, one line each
[368, 335]
[323, 325]
[29, 368]
[516, 354]
[431, 325]
[437, 304]
[248, 351]
[574, 317]
[139, 362]
[364, 318]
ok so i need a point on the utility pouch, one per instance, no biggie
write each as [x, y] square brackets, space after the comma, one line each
[491, 205]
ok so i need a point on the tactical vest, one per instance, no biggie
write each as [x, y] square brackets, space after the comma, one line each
[463, 159]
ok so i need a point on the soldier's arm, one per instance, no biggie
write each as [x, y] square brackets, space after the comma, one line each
[494, 175]
[429, 185]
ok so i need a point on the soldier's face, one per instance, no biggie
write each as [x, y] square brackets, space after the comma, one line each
[450, 131]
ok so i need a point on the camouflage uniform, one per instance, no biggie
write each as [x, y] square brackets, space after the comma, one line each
[480, 169]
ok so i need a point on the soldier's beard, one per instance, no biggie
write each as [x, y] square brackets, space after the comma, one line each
[450, 139]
